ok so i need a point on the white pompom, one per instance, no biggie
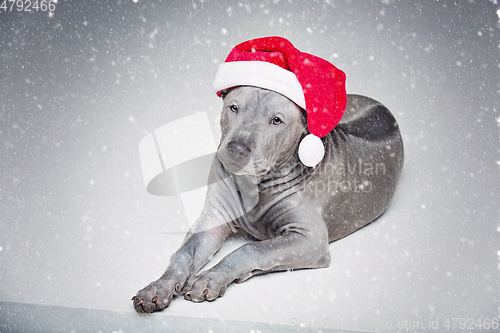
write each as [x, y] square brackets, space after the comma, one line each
[311, 150]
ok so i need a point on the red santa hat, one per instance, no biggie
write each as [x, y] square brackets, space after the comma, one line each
[312, 83]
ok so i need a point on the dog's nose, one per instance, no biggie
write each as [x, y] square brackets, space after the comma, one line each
[237, 150]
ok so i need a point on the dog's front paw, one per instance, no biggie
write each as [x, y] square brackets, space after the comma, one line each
[207, 285]
[156, 296]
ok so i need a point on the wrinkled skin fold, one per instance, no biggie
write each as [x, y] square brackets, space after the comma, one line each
[258, 186]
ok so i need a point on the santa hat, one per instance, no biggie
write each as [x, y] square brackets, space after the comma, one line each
[313, 83]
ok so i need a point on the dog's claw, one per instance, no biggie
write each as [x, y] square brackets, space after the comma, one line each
[155, 299]
[178, 288]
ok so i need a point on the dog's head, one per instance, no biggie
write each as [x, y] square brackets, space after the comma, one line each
[260, 128]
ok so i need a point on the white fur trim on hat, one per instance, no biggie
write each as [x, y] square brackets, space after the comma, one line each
[260, 74]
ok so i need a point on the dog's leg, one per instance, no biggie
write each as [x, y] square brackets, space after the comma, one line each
[202, 241]
[302, 242]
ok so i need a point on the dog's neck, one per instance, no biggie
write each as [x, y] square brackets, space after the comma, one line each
[257, 194]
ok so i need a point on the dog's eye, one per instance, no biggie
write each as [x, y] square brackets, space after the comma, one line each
[234, 108]
[276, 121]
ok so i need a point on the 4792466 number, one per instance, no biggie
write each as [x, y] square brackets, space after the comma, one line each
[471, 324]
[28, 6]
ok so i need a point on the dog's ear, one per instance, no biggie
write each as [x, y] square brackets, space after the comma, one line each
[224, 93]
[303, 116]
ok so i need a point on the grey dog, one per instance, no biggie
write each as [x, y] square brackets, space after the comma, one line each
[258, 185]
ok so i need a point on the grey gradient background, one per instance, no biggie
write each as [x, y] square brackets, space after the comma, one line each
[80, 89]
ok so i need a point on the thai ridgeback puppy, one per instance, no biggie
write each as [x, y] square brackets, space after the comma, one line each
[258, 186]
